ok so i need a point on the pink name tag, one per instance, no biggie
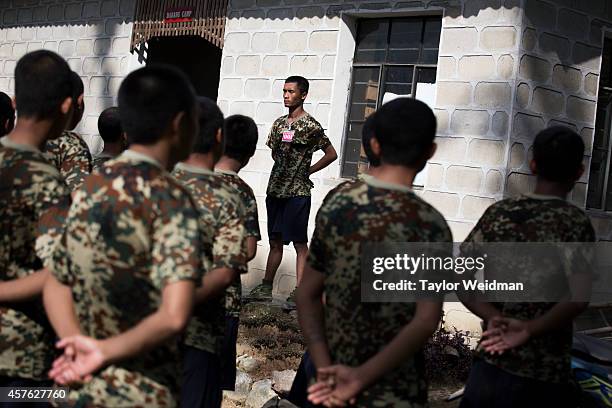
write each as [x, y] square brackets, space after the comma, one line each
[288, 135]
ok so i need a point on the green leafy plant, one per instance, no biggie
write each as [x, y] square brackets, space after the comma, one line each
[448, 356]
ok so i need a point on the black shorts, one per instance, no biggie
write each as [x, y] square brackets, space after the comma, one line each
[490, 386]
[201, 381]
[228, 353]
[288, 219]
[298, 395]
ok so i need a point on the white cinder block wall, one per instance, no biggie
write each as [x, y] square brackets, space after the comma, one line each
[268, 40]
[93, 36]
[492, 94]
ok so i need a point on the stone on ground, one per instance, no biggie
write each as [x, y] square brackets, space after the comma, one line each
[243, 386]
[260, 394]
[282, 380]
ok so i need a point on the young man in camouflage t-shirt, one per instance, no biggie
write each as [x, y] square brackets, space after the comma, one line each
[373, 351]
[293, 139]
[33, 196]
[123, 279]
[69, 152]
[536, 338]
[111, 132]
[240, 133]
[222, 215]
[298, 393]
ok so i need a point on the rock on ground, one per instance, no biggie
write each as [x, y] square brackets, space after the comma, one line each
[260, 394]
[243, 386]
[282, 380]
[247, 364]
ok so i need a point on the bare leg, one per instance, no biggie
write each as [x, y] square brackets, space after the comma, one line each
[301, 250]
[275, 256]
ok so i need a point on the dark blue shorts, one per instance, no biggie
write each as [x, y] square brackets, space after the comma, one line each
[201, 379]
[490, 386]
[288, 219]
[299, 389]
[228, 353]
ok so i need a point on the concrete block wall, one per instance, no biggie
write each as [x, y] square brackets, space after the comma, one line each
[265, 42]
[476, 73]
[268, 40]
[557, 83]
[560, 54]
[93, 36]
[506, 69]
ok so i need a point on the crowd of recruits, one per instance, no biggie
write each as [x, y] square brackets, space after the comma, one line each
[120, 256]
[120, 264]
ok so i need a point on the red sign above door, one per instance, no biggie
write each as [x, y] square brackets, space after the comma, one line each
[178, 15]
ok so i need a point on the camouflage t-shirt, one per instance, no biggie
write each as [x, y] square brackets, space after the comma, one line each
[222, 222]
[292, 148]
[99, 160]
[358, 213]
[70, 155]
[132, 230]
[233, 303]
[533, 218]
[32, 197]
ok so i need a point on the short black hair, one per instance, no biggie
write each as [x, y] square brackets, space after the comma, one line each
[405, 129]
[7, 112]
[302, 83]
[240, 137]
[150, 98]
[367, 132]
[42, 82]
[78, 88]
[211, 120]
[558, 152]
[109, 125]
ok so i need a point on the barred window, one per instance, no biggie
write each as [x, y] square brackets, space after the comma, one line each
[393, 57]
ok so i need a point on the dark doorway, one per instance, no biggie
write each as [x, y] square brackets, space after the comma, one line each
[195, 56]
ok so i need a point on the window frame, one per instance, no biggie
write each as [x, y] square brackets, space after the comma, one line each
[382, 66]
[605, 190]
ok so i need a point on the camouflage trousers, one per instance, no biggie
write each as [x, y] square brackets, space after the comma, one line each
[116, 387]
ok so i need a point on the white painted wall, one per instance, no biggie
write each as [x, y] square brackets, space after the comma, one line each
[93, 36]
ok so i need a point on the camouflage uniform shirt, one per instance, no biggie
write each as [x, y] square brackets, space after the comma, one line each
[222, 221]
[132, 230]
[358, 213]
[99, 160]
[233, 303]
[31, 195]
[70, 154]
[534, 218]
[292, 153]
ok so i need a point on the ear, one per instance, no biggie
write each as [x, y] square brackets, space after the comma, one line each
[176, 125]
[14, 103]
[375, 146]
[534, 167]
[432, 151]
[303, 95]
[580, 172]
[66, 106]
[219, 136]
[80, 101]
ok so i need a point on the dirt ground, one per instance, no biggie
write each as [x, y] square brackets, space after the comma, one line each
[272, 336]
